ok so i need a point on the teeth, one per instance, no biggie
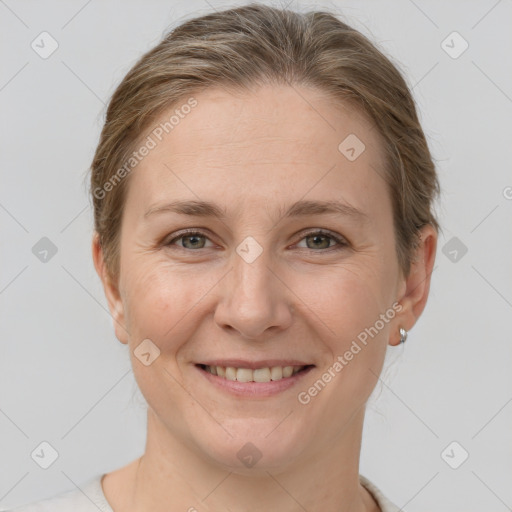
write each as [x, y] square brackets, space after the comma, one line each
[258, 375]
[287, 371]
[261, 375]
[230, 372]
[243, 375]
[276, 373]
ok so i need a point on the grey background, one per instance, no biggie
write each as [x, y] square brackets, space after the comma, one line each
[66, 380]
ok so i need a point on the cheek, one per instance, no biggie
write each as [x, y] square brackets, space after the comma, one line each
[156, 301]
[158, 305]
[349, 297]
[356, 308]
[356, 344]
[163, 301]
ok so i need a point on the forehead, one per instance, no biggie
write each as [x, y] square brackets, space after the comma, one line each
[272, 142]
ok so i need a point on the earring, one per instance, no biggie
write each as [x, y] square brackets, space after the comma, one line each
[403, 335]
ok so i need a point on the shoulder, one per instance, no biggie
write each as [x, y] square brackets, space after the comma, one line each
[88, 498]
[384, 503]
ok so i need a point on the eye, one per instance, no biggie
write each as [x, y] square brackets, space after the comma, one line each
[319, 238]
[192, 240]
[193, 236]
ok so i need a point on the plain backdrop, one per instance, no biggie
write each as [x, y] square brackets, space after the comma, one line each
[65, 380]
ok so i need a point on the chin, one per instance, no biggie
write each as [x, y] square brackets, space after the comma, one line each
[256, 446]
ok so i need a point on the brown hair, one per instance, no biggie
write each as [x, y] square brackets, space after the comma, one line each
[255, 44]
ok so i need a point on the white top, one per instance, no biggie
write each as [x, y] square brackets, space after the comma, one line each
[92, 499]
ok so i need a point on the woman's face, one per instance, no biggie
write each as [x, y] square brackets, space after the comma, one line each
[258, 287]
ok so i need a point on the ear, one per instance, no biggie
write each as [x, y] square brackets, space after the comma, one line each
[416, 286]
[111, 289]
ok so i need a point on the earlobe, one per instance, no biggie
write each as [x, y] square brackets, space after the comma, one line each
[111, 289]
[417, 283]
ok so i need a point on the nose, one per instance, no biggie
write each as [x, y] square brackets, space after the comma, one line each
[256, 301]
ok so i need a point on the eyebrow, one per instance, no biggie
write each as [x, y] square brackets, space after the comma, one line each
[298, 209]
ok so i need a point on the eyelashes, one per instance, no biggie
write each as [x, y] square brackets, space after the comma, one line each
[340, 241]
[318, 233]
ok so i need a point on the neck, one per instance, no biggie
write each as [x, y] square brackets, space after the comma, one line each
[171, 472]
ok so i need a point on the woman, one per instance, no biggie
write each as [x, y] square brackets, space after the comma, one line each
[263, 198]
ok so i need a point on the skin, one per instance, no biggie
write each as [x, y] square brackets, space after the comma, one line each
[254, 153]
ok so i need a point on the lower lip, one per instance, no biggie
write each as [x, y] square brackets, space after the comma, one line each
[254, 389]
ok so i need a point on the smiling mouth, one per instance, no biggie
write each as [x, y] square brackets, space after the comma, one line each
[268, 374]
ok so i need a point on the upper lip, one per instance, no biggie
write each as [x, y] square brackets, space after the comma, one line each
[253, 365]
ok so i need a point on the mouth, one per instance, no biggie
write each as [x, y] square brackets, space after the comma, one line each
[263, 374]
[260, 381]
